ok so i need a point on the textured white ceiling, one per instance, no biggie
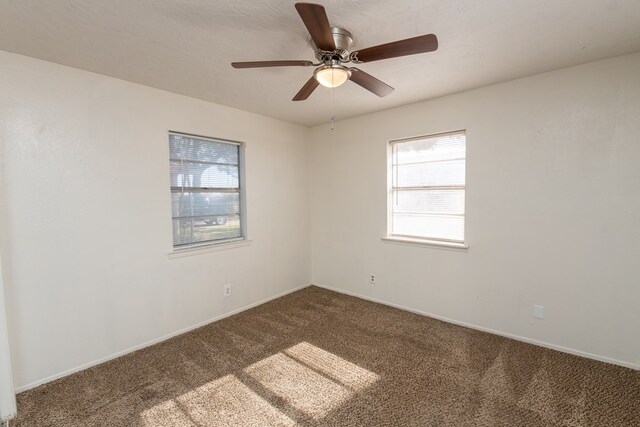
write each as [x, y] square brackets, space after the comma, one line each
[186, 46]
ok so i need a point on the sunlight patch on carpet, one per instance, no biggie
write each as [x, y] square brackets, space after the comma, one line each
[340, 370]
[224, 401]
[310, 379]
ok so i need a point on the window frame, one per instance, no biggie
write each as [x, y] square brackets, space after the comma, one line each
[413, 239]
[206, 246]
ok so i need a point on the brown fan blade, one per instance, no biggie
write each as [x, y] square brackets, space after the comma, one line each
[306, 90]
[317, 23]
[420, 44]
[260, 64]
[370, 83]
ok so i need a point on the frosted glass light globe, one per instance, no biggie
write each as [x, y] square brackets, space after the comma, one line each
[332, 75]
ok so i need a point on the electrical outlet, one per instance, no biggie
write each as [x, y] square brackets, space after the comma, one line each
[538, 311]
[227, 290]
[372, 279]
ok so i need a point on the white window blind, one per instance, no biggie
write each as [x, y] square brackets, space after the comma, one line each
[428, 187]
[205, 190]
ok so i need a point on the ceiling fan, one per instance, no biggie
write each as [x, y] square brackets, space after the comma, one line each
[332, 49]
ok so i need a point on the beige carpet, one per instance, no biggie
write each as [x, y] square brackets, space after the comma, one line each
[318, 358]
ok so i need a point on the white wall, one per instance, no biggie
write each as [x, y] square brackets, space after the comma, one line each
[87, 222]
[553, 209]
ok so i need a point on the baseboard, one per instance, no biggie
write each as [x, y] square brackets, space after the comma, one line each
[491, 331]
[154, 341]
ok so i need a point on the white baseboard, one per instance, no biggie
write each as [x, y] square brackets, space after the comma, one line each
[152, 342]
[491, 331]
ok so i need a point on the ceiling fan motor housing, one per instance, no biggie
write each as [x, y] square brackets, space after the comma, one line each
[343, 40]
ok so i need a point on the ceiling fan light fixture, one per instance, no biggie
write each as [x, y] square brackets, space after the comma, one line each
[332, 75]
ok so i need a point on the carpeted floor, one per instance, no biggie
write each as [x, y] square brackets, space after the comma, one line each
[318, 358]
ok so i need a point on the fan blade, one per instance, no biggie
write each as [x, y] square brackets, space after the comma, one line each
[317, 23]
[420, 44]
[370, 83]
[260, 64]
[306, 90]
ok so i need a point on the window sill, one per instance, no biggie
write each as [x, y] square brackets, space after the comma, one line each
[213, 247]
[425, 242]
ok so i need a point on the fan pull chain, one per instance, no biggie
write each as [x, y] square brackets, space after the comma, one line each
[333, 114]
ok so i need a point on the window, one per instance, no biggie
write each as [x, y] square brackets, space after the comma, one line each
[205, 190]
[428, 187]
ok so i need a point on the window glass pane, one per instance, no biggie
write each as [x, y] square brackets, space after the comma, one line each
[429, 201]
[204, 203]
[205, 190]
[428, 187]
[450, 172]
[425, 225]
[203, 175]
[438, 147]
[200, 149]
[205, 229]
